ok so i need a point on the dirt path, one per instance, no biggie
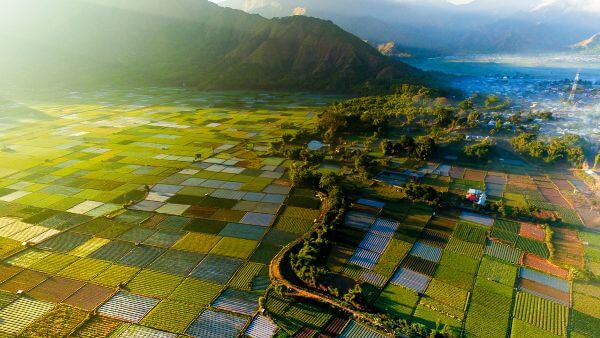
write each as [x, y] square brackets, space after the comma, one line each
[277, 277]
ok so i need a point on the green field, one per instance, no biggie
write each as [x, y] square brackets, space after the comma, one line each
[158, 211]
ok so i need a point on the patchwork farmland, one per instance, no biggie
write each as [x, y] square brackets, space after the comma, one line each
[148, 213]
[472, 274]
[156, 213]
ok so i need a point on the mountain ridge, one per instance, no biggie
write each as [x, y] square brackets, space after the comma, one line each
[510, 26]
[183, 42]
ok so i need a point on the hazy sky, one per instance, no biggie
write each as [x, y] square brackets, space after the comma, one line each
[458, 2]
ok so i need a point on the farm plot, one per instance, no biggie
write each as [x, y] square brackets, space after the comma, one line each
[533, 246]
[216, 269]
[503, 252]
[542, 313]
[504, 236]
[447, 294]
[172, 316]
[176, 262]
[261, 327]
[544, 291]
[356, 330]
[543, 265]
[491, 300]
[237, 301]
[196, 291]
[234, 247]
[55, 289]
[89, 297]
[470, 233]
[154, 284]
[426, 252]
[359, 220]
[391, 257]
[58, 322]
[397, 300]
[411, 280]
[469, 249]
[434, 238]
[127, 306]
[97, 326]
[213, 324]
[544, 279]
[532, 231]
[20, 313]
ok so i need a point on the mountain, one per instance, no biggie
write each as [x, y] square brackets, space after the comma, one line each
[488, 26]
[180, 42]
[591, 44]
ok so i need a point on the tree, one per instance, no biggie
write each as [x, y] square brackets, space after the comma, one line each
[480, 150]
[473, 119]
[407, 143]
[387, 147]
[330, 122]
[597, 161]
[498, 125]
[556, 151]
[354, 295]
[491, 100]
[537, 149]
[424, 148]
[362, 164]
[422, 193]
[466, 104]
[443, 116]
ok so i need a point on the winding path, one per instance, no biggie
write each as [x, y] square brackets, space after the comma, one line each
[278, 277]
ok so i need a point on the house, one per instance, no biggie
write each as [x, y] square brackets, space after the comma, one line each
[476, 196]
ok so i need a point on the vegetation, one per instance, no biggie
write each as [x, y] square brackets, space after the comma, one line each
[236, 50]
[568, 148]
[422, 193]
[479, 151]
[309, 262]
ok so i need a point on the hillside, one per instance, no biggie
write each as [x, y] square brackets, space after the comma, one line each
[182, 42]
[481, 26]
[589, 45]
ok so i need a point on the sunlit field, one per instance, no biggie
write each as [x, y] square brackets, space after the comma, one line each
[134, 211]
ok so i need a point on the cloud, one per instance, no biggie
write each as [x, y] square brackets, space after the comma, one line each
[589, 6]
